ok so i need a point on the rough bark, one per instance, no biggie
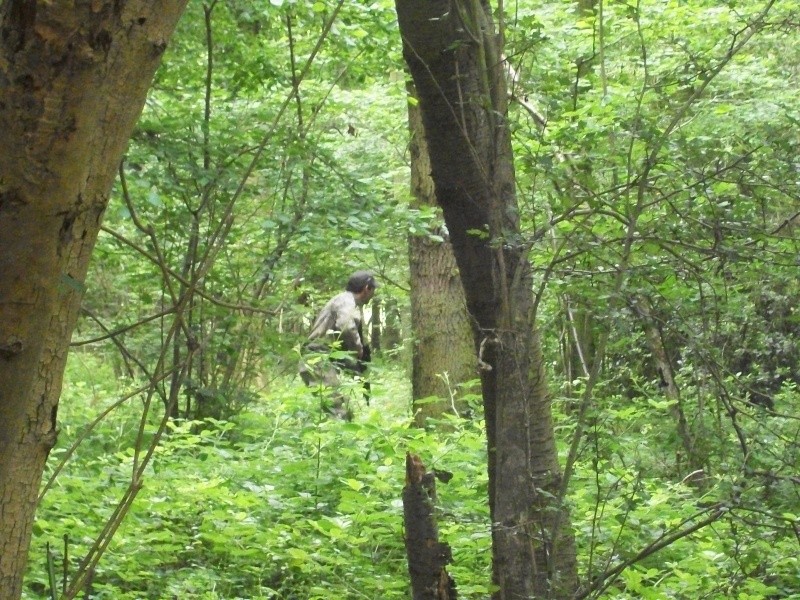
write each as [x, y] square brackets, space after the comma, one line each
[427, 556]
[443, 356]
[453, 57]
[74, 79]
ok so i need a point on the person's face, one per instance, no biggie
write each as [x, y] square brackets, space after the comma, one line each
[366, 294]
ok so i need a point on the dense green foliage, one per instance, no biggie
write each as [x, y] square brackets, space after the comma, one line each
[281, 502]
[656, 152]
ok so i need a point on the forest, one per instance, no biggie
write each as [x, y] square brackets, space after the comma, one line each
[584, 220]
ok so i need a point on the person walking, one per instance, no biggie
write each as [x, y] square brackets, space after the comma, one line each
[336, 343]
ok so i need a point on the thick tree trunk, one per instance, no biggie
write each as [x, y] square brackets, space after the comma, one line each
[74, 80]
[451, 51]
[443, 355]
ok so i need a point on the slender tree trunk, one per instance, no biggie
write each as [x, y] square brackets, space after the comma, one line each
[392, 335]
[443, 355]
[454, 60]
[376, 310]
[75, 76]
[577, 342]
[655, 342]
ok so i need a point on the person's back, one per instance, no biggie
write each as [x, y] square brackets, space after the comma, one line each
[337, 329]
[339, 320]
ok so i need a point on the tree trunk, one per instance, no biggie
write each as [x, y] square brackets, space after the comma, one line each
[443, 356]
[655, 342]
[375, 318]
[392, 335]
[74, 80]
[427, 556]
[577, 343]
[454, 60]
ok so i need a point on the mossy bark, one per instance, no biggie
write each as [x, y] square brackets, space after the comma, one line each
[443, 356]
[74, 79]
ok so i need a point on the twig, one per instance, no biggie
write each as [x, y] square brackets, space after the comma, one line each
[116, 332]
[602, 582]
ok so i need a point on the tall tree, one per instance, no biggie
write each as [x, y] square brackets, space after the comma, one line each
[75, 76]
[443, 356]
[455, 61]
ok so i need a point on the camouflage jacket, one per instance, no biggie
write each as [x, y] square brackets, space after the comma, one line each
[340, 319]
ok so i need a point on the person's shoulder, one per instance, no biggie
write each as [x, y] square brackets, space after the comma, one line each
[344, 299]
[336, 300]
[344, 303]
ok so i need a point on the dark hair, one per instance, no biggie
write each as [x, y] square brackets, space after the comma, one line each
[359, 280]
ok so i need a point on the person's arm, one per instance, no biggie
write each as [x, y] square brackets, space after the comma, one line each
[323, 323]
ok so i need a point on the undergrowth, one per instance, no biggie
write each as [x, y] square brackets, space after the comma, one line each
[282, 502]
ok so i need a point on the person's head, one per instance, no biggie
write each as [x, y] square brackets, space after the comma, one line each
[362, 284]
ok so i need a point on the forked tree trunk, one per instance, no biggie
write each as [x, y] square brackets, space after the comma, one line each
[74, 79]
[443, 356]
[452, 54]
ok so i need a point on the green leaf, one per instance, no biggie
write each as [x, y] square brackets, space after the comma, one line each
[354, 484]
